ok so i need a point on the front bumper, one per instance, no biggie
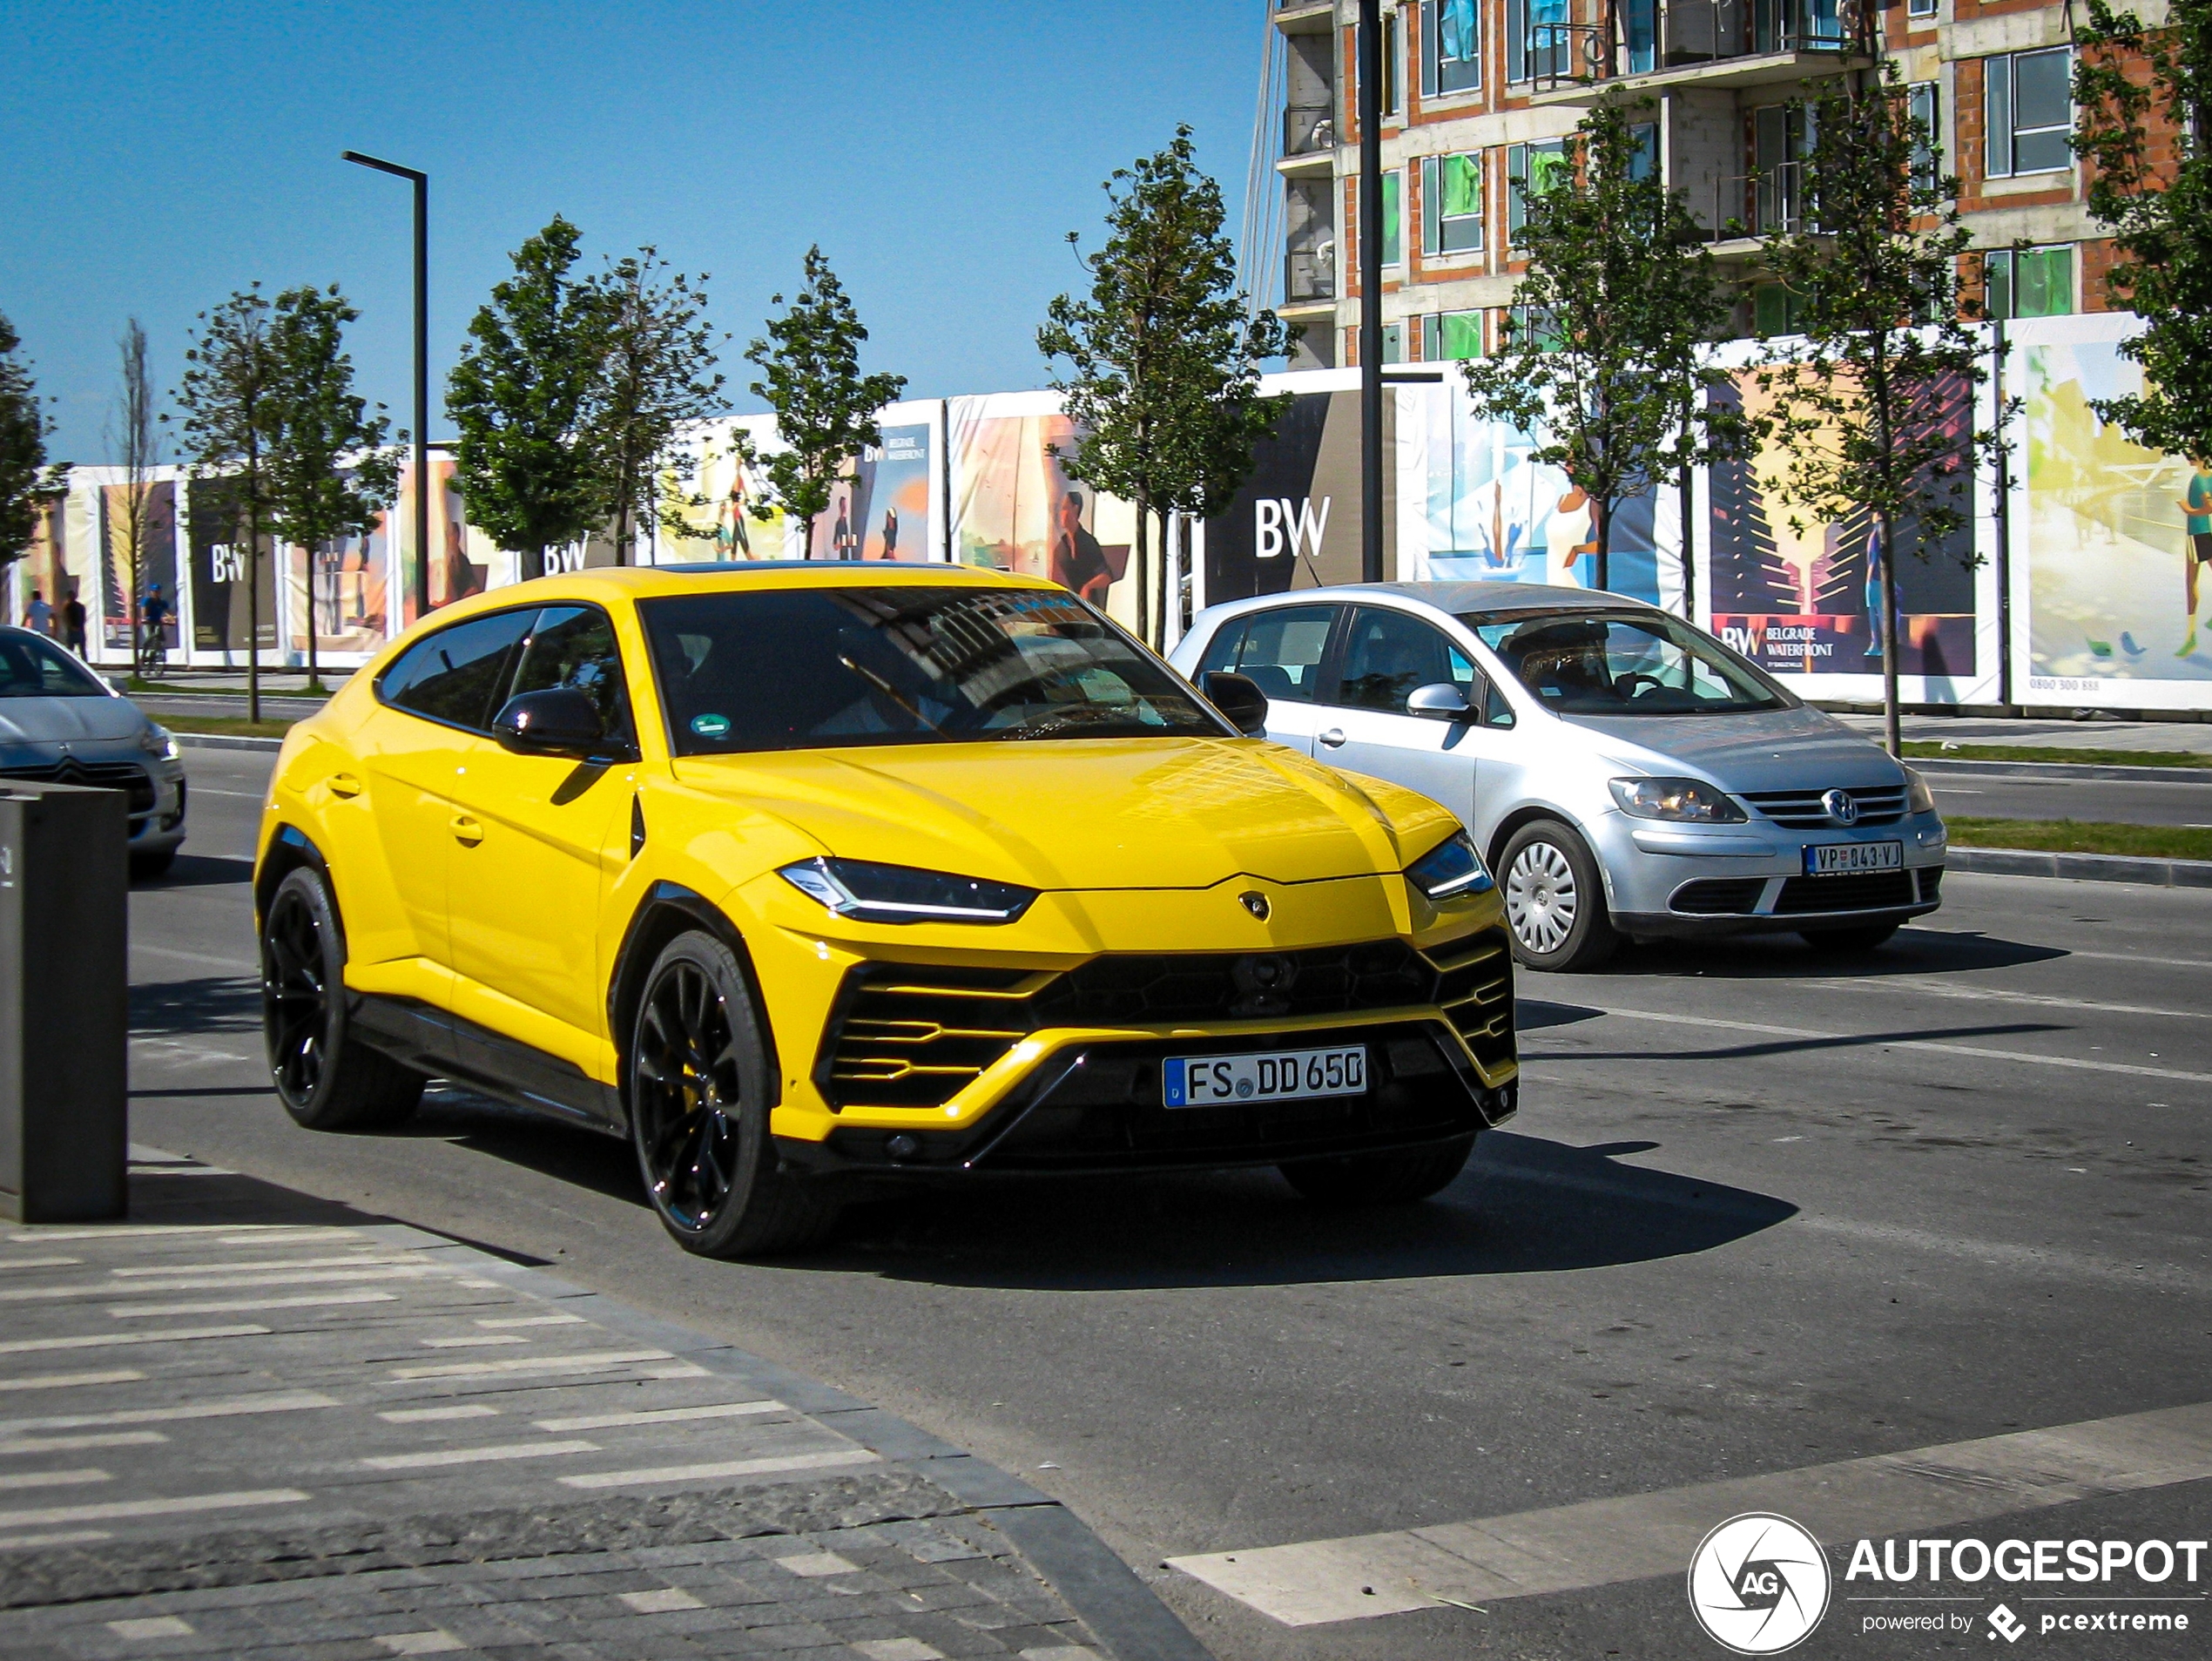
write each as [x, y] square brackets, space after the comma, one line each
[153, 788]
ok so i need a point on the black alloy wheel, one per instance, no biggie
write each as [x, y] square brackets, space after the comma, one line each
[698, 1112]
[326, 1079]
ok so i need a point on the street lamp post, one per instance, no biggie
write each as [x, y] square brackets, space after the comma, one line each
[421, 182]
[1370, 75]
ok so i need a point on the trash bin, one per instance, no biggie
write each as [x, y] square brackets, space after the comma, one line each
[64, 1002]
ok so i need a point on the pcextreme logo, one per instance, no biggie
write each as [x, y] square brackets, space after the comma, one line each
[1758, 1584]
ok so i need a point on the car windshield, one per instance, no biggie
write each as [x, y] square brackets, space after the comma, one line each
[1625, 663]
[30, 667]
[826, 667]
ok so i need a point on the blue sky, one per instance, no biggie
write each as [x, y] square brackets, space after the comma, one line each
[159, 156]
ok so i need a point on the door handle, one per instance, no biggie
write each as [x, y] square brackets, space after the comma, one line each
[345, 785]
[466, 831]
[1333, 737]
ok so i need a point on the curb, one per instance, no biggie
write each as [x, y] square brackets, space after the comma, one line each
[224, 741]
[2062, 770]
[2081, 868]
[1124, 1612]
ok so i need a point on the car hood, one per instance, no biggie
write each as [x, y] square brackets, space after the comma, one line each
[1773, 749]
[1086, 813]
[67, 721]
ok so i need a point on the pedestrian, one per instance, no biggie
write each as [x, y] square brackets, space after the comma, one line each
[2196, 545]
[38, 617]
[891, 533]
[1877, 573]
[153, 617]
[73, 624]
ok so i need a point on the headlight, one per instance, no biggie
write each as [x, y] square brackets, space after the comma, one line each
[900, 893]
[1451, 868]
[1919, 798]
[159, 742]
[1687, 800]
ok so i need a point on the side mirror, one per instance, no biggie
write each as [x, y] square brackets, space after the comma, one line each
[558, 721]
[1440, 701]
[1238, 698]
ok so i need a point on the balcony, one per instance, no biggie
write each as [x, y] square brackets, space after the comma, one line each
[1746, 208]
[1632, 45]
[1306, 17]
[1309, 129]
[1310, 276]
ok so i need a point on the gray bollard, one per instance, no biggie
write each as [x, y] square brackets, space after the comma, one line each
[64, 1002]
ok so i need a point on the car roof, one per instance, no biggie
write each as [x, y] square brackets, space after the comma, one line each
[1460, 598]
[706, 577]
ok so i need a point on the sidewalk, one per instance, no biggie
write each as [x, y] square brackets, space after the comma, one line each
[251, 1423]
[2166, 737]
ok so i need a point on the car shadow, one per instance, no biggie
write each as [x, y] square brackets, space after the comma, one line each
[200, 871]
[202, 1006]
[1910, 951]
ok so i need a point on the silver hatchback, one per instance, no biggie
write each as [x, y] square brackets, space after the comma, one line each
[1624, 773]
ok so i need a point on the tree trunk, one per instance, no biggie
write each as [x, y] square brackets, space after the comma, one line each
[807, 548]
[1891, 735]
[1602, 513]
[315, 668]
[253, 613]
[533, 562]
[1143, 571]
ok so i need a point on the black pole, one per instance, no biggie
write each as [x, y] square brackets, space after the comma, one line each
[1370, 75]
[421, 182]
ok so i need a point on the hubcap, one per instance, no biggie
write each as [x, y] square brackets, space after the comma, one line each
[295, 1002]
[1542, 900]
[686, 1092]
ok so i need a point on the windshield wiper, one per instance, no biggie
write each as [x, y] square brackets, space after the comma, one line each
[893, 694]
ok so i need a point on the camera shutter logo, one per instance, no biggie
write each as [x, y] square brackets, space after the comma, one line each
[1758, 1584]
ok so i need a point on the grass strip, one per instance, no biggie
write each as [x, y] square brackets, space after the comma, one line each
[2052, 752]
[225, 726]
[2082, 836]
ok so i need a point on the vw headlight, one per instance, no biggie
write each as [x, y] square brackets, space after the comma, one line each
[1451, 869]
[1919, 798]
[1685, 800]
[159, 742]
[900, 893]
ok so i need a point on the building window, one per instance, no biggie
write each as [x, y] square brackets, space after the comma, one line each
[1782, 135]
[2029, 107]
[1451, 48]
[1393, 247]
[1920, 8]
[1775, 310]
[1452, 204]
[1645, 162]
[1448, 336]
[1393, 342]
[1549, 51]
[1390, 50]
[2035, 282]
[1927, 143]
[1534, 324]
[1530, 170]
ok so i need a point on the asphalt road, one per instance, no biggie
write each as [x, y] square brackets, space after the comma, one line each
[2125, 801]
[1761, 1210]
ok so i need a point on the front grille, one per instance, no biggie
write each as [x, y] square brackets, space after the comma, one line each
[1801, 809]
[1719, 897]
[1870, 891]
[904, 1035]
[126, 776]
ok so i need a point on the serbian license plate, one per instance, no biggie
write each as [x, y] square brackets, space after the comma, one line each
[1845, 859]
[1285, 1075]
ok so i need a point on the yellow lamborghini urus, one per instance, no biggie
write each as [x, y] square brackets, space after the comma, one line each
[802, 875]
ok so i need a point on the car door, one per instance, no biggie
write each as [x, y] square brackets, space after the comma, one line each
[1283, 649]
[1386, 656]
[533, 839]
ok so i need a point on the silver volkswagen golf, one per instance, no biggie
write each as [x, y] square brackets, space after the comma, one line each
[1624, 773]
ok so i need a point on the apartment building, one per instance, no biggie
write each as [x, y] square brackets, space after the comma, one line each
[1477, 95]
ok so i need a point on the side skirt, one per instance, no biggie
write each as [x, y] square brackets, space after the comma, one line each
[446, 1046]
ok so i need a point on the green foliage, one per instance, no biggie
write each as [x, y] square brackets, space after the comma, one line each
[1622, 299]
[655, 373]
[1165, 381]
[825, 407]
[2159, 212]
[1868, 405]
[521, 399]
[27, 481]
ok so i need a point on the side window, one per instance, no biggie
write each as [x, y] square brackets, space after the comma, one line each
[1282, 652]
[1221, 650]
[454, 675]
[1389, 656]
[574, 646]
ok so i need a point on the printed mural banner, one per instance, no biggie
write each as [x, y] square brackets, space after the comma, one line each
[43, 570]
[345, 586]
[1295, 521]
[722, 504]
[218, 573]
[463, 561]
[889, 503]
[125, 578]
[2109, 539]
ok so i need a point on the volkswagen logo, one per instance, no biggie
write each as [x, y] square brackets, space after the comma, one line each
[1840, 806]
[1758, 1584]
[1254, 902]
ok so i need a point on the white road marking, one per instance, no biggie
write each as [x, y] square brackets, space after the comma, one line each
[1601, 1543]
[182, 1051]
[183, 1505]
[474, 1340]
[366, 1259]
[1921, 988]
[433, 1642]
[897, 1650]
[78, 1444]
[536, 1321]
[216, 1283]
[41, 1262]
[131, 1231]
[236, 1305]
[52, 1479]
[103, 1340]
[430, 1415]
[72, 1537]
[72, 1380]
[590, 1361]
[727, 1467]
[152, 1626]
[221, 1407]
[2070, 951]
[661, 1601]
[815, 1565]
[477, 1455]
[660, 1416]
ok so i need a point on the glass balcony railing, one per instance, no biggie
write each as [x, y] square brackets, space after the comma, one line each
[1310, 275]
[1309, 129]
[1622, 38]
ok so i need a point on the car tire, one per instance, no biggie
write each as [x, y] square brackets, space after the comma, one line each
[327, 1079]
[146, 866]
[699, 1101]
[1554, 898]
[1398, 1177]
[1860, 937]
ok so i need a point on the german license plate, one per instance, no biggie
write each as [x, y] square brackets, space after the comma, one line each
[1845, 859]
[1283, 1076]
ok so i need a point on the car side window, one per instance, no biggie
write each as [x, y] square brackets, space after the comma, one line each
[453, 676]
[1281, 650]
[1389, 656]
[573, 647]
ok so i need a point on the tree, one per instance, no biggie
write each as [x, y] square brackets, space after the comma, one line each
[1607, 359]
[135, 433]
[1875, 407]
[825, 407]
[2144, 98]
[27, 481]
[1165, 387]
[657, 358]
[230, 398]
[319, 488]
[521, 399]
